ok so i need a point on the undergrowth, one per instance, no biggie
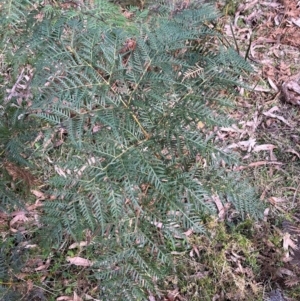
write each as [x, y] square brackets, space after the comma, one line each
[108, 150]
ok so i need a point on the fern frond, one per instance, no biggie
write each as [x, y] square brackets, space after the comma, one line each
[193, 72]
[15, 12]
[117, 103]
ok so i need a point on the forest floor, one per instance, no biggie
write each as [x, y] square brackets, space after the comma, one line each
[258, 260]
[267, 136]
[249, 260]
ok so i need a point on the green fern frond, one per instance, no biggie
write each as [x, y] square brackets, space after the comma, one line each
[118, 104]
[15, 12]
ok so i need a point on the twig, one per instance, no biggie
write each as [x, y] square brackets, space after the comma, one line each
[13, 90]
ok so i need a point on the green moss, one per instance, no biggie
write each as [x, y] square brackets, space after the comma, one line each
[230, 7]
[221, 263]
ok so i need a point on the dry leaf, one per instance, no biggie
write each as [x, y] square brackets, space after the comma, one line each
[151, 298]
[39, 17]
[45, 266]
[291, 92]
[233, 129]
[96, 128]
[76, 297]
[248, 144]
[42, 267]
[19, 173]
[32, 207]
[30, 246]
[60, 171]
[293, 152]
[260, 89]
[188, 232]
[19, 217]
[288, 242]
[266, 213]
[272, 155]
[200, 125]
[88, 297]
[76, 245]
[258, 163]
[216, 297]
[292, 281]
[270, 4]
[253, 124]
[272, 84]
[220, 206]
[284, 271]
[296, 21]
[196, 250]
[79, 261]
[172, 295]
[270, 114]
[127, 14]
[261, 147]
[64, 298]
[40, 195]
[274, 200]
[159, 225]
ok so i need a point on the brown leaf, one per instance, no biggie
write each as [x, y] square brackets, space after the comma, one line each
[64, 298]
[88, 297]
[40, 195]
[291, 92]
[245, 145]
[221, 208]
[151, 298]
[76, 245]
[79, 261]
[284, 271]
[261, 147]
[274, 200]
[288, 242]
[292, 281]
[130, 45]
[39, 17]
[32, 207]
[21, 216]
[31, 246]
[258, 163]
[60, 171]
[216, 297]
[196, 250]
[258, 88]
[296, 21]
[42, 267]
[76, 297]
[188, 232]
[270, 114]
[172, 295]
[293, 152]
[266, 213]
[272, 84]
[127, 14]
[20, 173]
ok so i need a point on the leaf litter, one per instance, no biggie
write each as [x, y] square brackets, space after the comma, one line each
[267, 136]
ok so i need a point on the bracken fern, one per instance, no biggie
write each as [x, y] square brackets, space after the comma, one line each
[116, 105]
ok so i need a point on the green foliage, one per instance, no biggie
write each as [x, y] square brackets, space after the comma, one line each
[12, 257]
[111, 114]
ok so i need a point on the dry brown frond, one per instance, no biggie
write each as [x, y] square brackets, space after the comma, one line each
[20, 173]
